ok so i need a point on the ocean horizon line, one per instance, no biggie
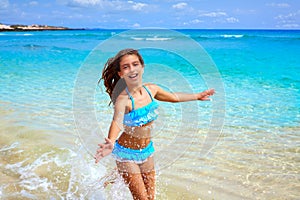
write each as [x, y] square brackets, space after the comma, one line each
[66, 28]
[204, 29]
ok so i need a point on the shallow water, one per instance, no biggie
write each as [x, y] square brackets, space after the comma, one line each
[46, 152]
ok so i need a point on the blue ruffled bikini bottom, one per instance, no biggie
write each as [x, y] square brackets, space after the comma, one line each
[123, 154]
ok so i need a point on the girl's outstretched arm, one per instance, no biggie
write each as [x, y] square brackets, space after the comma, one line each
[107, 147]
[114, 130]
[163, 95]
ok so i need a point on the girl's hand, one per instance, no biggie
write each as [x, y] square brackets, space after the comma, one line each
[203, 96]
[104, 150]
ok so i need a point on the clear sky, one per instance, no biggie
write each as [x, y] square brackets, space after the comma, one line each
[210, 14]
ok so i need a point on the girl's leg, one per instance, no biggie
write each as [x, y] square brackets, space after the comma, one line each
[148, 174]
[149, 181]
[133, 178]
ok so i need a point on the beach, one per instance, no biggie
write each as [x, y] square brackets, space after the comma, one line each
[53, 114]
[33, 27]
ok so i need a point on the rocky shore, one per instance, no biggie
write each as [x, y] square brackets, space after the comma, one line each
[33, 27]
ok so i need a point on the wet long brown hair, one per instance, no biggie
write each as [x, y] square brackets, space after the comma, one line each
[110, 73]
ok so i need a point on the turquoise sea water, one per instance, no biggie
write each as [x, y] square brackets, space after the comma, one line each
[257, 151]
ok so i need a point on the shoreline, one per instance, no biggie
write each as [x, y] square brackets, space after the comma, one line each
[34, 27]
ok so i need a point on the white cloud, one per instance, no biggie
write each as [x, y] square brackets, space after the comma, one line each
[192, 22]
[232, 20]
[213, 14]
[279, 5]
[122, 20]
[87, 2]
[33, 3]
[137, 6]
[289, 26]
[179, 5]
[240, 11]
[218, 17]
[136, 25]
[196, 21]
[108, 5]
[290, 16]
[289, 20]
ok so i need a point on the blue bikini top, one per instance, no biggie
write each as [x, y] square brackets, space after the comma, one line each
[143, 115]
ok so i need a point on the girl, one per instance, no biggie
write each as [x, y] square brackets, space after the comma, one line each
[134, 112]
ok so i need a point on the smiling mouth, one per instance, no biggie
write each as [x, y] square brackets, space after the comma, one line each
[133, 76]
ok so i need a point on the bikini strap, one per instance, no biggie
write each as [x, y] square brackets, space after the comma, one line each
[131, 98]
[148, 92]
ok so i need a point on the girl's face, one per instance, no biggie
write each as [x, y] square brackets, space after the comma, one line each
[131, 69]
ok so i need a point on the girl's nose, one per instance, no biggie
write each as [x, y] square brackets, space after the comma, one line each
[130, 68]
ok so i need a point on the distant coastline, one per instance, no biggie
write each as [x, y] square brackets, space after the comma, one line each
[34, 27]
